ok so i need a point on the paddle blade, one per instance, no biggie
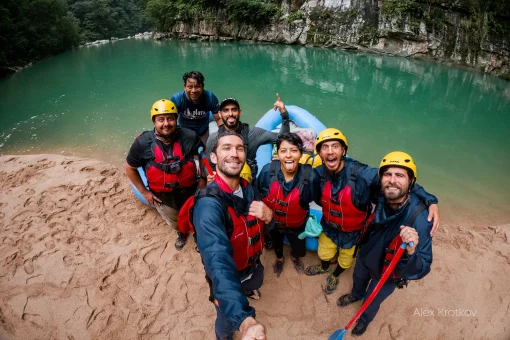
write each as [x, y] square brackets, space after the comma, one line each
[338, 334]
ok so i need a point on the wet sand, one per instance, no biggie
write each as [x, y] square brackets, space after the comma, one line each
[82, 258]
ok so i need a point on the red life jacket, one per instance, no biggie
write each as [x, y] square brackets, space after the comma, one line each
[391, 250]
[288, 212]
[168, 171]
[246, 233]
[339, 211]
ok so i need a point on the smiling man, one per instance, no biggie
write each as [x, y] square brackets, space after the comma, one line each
[399, 217]
[194, 104]
[167, 156]
[228, 220]
[346, 189]
[253, 137]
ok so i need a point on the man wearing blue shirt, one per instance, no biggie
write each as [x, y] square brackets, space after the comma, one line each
[194, 104]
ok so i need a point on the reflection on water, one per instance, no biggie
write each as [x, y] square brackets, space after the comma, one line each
[454, 122]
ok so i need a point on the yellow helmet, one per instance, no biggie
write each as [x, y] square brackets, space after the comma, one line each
[246, 172]
[314, 160]
[162, 107]
[328, 135]
[399, 159]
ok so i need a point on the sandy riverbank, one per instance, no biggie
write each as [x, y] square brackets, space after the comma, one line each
[82, 258]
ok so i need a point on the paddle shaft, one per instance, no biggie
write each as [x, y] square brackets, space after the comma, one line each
[377, 288]
[206, 161]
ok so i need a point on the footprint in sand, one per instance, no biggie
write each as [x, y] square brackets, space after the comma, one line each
[29, 266]
[50, 245]
[35, 319]
[109, 172]
[91, 245]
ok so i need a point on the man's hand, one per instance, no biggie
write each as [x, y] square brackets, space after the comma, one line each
[279, 104]
[210, 178]
[433, 215]
[150, 197]
[252, 330]
[409, 235]
[261, 211]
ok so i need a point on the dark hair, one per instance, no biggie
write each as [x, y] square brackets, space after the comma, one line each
[224, 134]
[199, 77]
[291, 138]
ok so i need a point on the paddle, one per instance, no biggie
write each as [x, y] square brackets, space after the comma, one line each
[206, 162]
[339, 333]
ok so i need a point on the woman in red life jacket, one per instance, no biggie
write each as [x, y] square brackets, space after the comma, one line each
[283, 186]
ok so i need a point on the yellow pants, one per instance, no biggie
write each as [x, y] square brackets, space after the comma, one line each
[327, 250]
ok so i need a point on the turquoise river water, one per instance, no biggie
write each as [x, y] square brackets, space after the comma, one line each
[93, 101]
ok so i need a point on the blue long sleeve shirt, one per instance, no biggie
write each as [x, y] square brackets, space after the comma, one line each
[209, 220]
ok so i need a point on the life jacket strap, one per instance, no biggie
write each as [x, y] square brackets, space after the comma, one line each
[285, 204]
[335, 213]
[254, 239]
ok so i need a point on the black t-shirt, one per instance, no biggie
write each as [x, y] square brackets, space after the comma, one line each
[141, 153]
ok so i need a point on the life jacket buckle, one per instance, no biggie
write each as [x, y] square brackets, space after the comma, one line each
[254, 239]
[335, 213]
[280, 213]
[390, 251]
[251, 223]
[172, 185]
[285, 204]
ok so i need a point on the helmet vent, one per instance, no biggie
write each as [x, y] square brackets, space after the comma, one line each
[407, 160]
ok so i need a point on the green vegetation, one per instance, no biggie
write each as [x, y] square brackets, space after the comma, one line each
[31, 30]
[167, 12]
[34, 29]
[103, 19]
[297, 15]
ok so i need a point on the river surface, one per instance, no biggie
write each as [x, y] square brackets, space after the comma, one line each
[93, 101]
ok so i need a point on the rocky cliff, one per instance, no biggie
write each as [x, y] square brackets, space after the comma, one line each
[453, 33]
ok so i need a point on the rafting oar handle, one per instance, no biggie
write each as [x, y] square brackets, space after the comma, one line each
[206, 161]
[404, 245]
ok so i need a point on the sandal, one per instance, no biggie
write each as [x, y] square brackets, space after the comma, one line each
[316, 270]
[254, 295]
[331, 284]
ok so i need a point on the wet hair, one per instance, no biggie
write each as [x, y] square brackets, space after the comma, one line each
[199, 77]
[292, 138]
[226, 133]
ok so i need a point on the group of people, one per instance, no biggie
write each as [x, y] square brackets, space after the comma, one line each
[367, 212]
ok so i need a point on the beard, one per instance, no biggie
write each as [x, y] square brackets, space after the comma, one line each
[231, 126]
[394, 193]
[228, 171]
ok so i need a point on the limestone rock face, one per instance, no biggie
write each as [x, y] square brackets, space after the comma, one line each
[455, 38]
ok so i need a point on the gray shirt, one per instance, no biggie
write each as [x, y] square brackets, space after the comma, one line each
[256, 136]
